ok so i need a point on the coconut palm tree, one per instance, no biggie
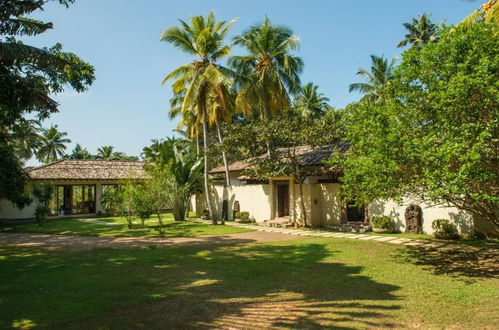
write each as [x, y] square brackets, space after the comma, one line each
[270, 72]
[309, 103]
[26, 138]
[79, 152]
[216, 115]
[203, 38]
[488, 12]
[53, 144]
[105, 153]
[379, 75]
[420, 32]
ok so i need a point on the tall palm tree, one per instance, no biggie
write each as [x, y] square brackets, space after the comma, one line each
[218, 115]
[26, 137]
[270, 72]
[420, 32]
[379, 75]
[53, 144]
[309, 103]
[105, 153]
[203, 38]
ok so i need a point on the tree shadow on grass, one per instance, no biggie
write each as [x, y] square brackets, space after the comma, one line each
[457, 260]
[251, 286]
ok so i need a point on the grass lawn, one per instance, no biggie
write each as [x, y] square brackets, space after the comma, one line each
[305, 283]
[116, 226]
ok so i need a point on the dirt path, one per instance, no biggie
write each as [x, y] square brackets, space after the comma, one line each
[78, 243]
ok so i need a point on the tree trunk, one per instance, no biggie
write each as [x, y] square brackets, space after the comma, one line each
[197, 145]
[302, 201]
[202, 103]
[224, 156]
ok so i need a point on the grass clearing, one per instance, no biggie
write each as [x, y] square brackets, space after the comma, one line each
[117, 227]
[306, 283]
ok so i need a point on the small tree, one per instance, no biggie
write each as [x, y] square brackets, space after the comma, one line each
[42, 194]
[128, 194]
[143, 202]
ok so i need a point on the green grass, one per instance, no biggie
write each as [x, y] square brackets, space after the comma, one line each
[118, 227]
[307, 283]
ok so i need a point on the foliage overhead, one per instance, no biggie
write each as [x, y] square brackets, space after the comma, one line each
[28, 77]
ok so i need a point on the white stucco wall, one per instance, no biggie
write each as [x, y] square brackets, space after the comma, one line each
[253, 198]
[10, 211]
[462, 219]
[323, 205]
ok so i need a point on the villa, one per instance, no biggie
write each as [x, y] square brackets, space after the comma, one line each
[278, 198]
[78, 185]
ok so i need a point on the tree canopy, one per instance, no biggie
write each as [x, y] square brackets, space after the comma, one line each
[28, 77]
[436, 136]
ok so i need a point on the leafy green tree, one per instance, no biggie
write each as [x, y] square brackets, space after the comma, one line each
[420, 31]
[28, 77]
[379, 75]
[53, 144]
[202, 37]
[175, 179]
[309, 103]
[270, 71]
[437, 135]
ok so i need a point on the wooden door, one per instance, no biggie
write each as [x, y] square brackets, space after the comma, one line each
[282, 200]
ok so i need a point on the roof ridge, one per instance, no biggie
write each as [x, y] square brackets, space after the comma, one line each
[45, 165]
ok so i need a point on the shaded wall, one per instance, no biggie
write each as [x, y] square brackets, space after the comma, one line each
[462, 219]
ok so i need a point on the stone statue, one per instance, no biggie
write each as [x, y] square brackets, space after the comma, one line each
[235, 209]
[413, 219]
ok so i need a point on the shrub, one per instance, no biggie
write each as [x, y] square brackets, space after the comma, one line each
[205, 214]
[444, 229]
[382, 222]
[41, 212]
[243, 216]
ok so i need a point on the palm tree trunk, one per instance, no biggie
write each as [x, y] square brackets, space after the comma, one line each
[224, 156]
[202, 103]
[302, 201]
[197, 145]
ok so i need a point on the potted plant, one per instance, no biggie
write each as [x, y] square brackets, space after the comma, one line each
[382, 224]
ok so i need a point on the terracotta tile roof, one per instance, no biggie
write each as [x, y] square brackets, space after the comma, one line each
[83, 169]
[308, 156]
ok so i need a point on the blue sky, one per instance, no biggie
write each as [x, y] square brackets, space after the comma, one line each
[126, 106]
